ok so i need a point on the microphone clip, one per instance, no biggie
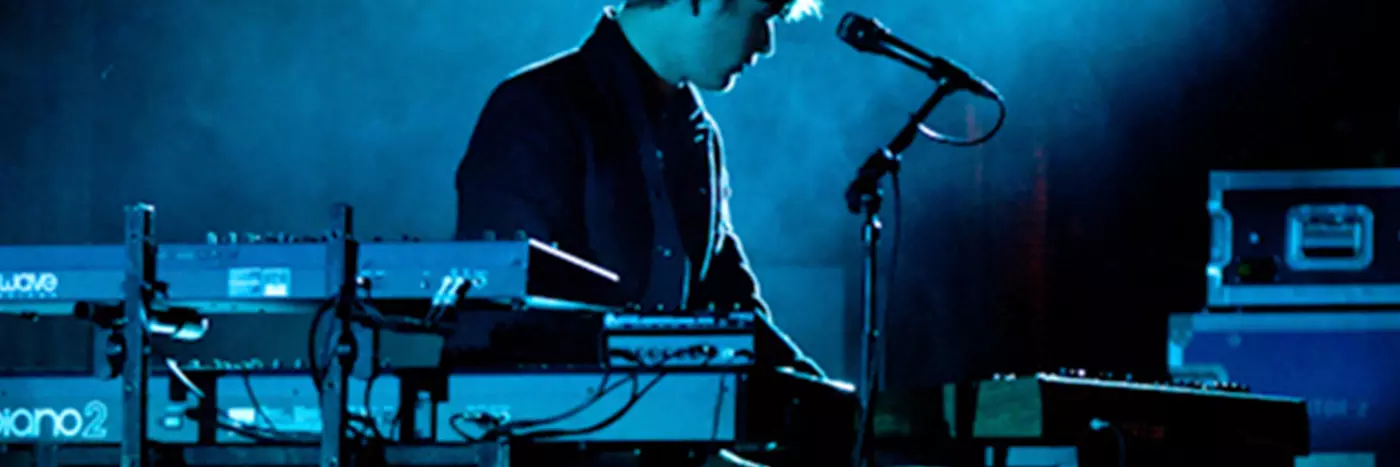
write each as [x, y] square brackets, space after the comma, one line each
[863, 194]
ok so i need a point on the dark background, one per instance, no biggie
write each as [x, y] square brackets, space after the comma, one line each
[1065, 241]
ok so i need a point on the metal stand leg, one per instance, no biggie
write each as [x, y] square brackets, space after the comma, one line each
[139, 288]
[342, 261]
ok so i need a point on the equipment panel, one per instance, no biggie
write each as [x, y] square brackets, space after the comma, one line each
[1304, 238]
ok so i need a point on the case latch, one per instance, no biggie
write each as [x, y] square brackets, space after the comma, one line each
[1330, 237]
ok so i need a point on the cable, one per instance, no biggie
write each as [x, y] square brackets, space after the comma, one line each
[316, 355]
[199, 394]
[963, 142]
[257, 433]
[636, 396]
[637, 393]
[369, 418]
[498, 429]
[222, 421]
[1099, 425]
[505, 428]
[362, 310]
[718, 413]
[369, 411]
[496, 426]
[257, 406]
[897, 218]
[708, 352]
[313, 354]
[174, 368]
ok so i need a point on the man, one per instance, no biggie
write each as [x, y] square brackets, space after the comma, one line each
[608, 151]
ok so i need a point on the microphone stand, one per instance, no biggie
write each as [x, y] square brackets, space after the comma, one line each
[864, 195]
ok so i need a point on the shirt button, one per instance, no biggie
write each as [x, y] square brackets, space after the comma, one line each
[665, 252]
[660, 155]
[704, 191]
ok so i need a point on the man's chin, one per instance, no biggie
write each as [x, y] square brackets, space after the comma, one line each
[721, 84]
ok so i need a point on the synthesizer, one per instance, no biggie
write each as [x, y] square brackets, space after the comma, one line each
[486, 339]
[592, 340]
[245, 409]
[636, 340]
[267, 277]
[1051, 408]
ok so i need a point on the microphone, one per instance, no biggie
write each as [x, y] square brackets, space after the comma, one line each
[868, 35]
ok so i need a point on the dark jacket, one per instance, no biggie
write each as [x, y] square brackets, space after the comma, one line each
[572, 150]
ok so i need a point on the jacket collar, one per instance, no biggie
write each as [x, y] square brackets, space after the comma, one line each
[624, 69]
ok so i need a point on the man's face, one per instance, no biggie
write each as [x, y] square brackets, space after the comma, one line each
[727, 37]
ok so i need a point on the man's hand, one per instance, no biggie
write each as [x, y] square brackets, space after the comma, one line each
[805, 365]
[727, 458]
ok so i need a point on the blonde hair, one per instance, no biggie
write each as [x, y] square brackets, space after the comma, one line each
[796, 10]
[789, 11]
